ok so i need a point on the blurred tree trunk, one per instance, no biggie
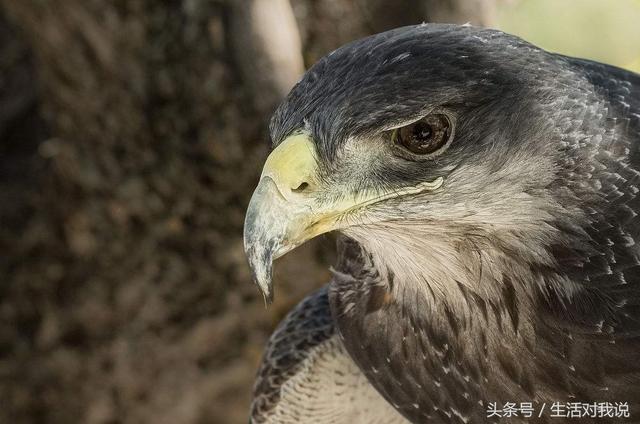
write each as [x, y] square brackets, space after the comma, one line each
[265, 39]
[126, 296]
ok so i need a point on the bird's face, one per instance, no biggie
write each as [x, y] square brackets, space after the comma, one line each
[412, 142]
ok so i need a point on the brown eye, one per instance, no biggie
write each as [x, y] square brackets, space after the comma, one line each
[425, 136]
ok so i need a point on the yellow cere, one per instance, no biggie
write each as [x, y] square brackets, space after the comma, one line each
[292, 163]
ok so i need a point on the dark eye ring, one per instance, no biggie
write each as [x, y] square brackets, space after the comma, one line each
[426, 136]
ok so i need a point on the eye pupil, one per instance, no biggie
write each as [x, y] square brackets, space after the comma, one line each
[422, 131]
[425, 136]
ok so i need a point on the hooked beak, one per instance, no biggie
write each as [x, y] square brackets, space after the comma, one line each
[281, 212]
[287, 208]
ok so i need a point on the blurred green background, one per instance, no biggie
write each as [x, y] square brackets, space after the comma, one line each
[603, 30]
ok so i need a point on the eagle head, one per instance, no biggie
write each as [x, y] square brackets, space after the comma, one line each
[449, 153]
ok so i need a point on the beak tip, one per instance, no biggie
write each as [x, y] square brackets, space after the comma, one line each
[261, 269]
[263, 279]
[268, 298]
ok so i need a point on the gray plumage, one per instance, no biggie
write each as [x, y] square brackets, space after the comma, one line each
[518, 281]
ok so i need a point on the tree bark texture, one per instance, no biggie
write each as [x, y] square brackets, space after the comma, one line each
[132, 133]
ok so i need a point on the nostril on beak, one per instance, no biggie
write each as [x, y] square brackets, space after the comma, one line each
[302, 187]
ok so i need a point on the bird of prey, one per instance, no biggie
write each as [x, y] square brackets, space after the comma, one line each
[486, 196]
